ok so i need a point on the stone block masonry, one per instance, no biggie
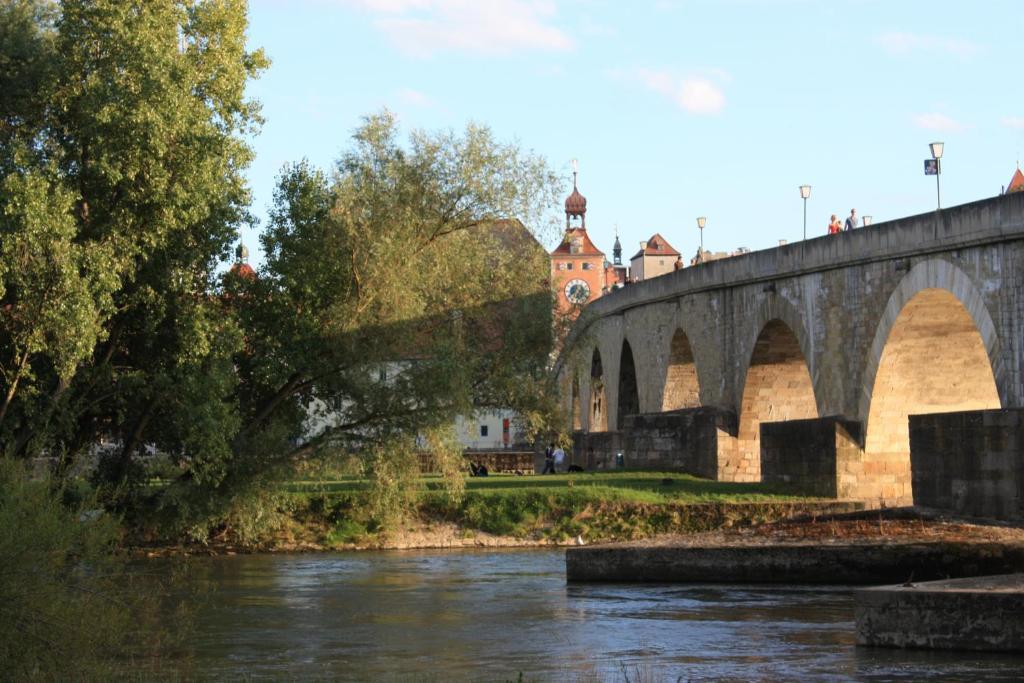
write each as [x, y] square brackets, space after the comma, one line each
[829, 563]
[681, 440]
[971, 462]
[816, 457]
[961, 614]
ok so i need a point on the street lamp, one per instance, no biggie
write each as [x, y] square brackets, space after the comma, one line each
[867, 221]
[936, 148]
[701, 222]
[805, 192]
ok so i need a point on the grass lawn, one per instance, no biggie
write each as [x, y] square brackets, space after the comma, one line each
[620, 485]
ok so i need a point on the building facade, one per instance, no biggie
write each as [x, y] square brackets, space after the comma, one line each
[656, 257]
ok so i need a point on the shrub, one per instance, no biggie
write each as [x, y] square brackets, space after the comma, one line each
[69, 606]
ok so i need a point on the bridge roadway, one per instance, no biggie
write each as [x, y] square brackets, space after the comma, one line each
[803, 363]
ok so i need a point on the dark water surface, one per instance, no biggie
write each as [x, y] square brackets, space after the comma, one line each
[458, 615]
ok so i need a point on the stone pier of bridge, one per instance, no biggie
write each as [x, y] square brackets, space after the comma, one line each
[882, 364]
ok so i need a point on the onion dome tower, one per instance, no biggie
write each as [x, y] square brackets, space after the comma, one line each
[241, 267]
[575, 203]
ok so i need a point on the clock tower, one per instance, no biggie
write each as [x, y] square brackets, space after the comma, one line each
[577, 266]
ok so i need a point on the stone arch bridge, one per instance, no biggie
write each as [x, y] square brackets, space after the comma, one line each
[805, 363]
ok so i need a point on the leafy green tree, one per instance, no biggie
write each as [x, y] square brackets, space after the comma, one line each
[396, 293]
[122, 147]
[399, 290]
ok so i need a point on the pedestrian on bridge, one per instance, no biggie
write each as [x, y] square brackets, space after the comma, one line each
[834, 226]
[851, 220]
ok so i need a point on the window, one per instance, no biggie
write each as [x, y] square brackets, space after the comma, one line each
[588, 266]
[483, 430]
[661, 262]
[561, 266]
[568, 266]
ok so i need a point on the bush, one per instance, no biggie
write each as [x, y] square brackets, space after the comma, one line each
[69, 607]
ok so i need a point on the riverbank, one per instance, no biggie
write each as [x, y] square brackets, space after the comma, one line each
[594, 523]
[503, 511]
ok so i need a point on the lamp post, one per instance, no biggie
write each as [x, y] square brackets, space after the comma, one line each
[805, 192]
[701, 222]
[867, 220]
[936, 148]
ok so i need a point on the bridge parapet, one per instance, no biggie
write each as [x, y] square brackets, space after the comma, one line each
[986, 221]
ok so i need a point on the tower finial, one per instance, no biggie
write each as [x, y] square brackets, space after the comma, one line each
[575, 171]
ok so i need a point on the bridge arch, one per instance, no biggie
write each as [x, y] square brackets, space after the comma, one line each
[935, 350]
[777, 387]
[598, 410]
[682, 384]
[628, 393]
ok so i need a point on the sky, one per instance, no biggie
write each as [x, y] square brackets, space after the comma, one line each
[674, 109]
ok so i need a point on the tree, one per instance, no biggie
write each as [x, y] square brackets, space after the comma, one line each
[123, 129]
[122, 148]
[403, 261]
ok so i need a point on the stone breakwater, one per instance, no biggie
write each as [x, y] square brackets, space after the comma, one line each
[961, 614]
[840, 562]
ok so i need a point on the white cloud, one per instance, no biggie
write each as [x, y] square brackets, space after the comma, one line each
[415, 98]
[939, 122]
[694, 94]
[1013, 122]
[897, 42]
[425, 27]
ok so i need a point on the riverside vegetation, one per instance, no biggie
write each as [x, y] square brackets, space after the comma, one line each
[350, 511]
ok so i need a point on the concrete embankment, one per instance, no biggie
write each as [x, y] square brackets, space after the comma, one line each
[819, 563]
[984, 613]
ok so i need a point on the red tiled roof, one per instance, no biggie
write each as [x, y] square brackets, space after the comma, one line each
[587, 247]
[1017, 182]
[657, 246]
[243, 270]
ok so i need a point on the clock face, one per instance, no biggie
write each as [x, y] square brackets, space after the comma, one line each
[577, 291]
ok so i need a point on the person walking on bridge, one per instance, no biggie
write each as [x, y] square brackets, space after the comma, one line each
[851, 220]
[834, 226]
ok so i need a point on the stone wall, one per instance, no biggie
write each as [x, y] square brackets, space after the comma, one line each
[681, 440]
[816, 457]
[970, 462]
[823, 563]
[960, 614]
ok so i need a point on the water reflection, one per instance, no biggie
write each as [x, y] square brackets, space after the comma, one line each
[490, 615]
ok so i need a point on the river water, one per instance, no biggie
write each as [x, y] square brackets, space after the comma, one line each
[458, 615]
